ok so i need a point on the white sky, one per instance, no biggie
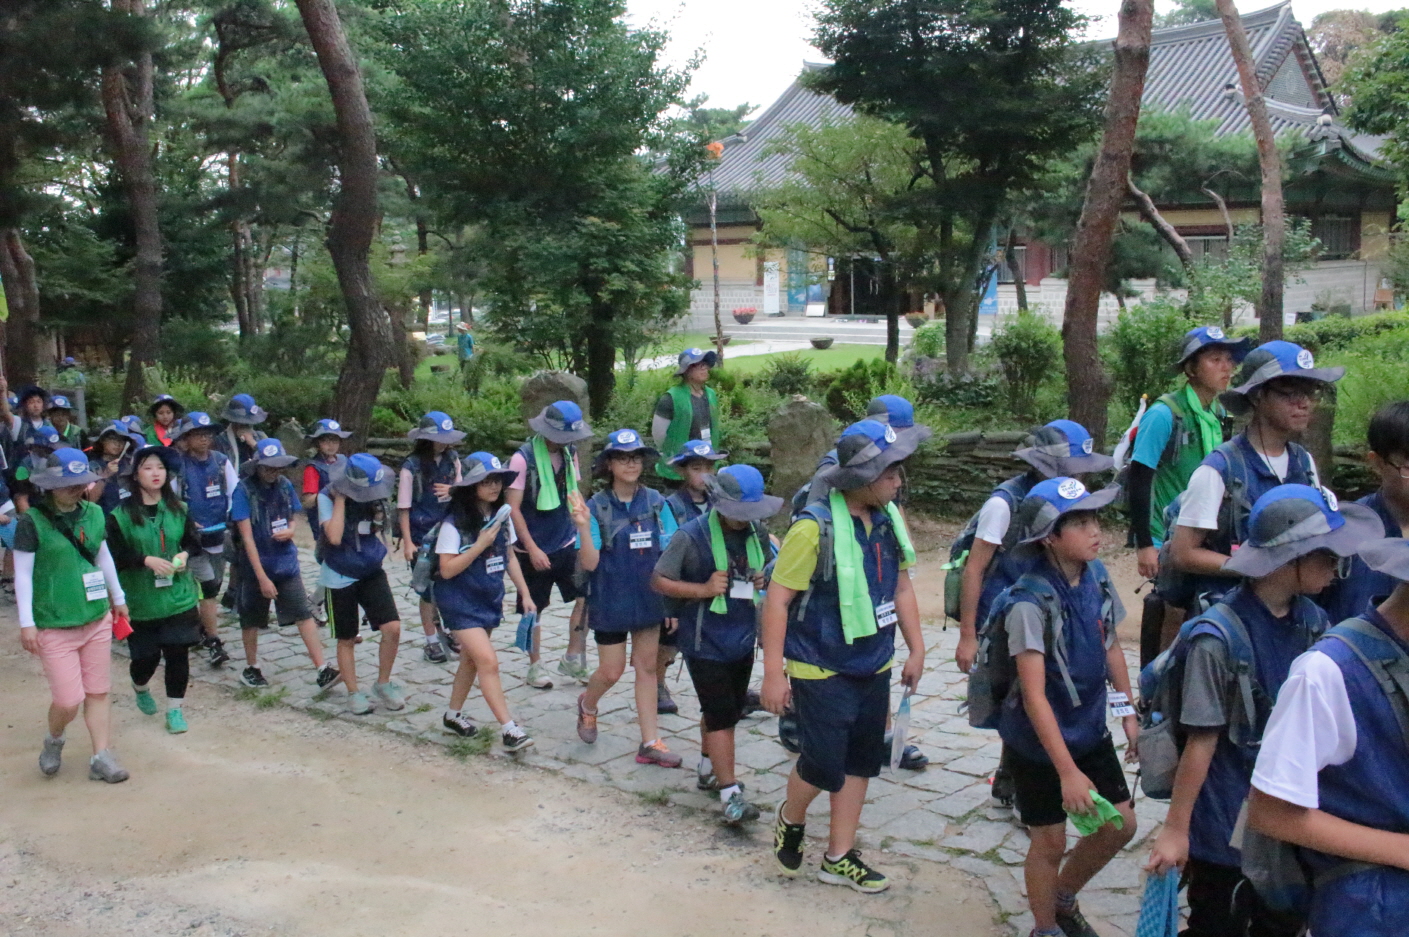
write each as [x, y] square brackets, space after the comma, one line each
[753, 49]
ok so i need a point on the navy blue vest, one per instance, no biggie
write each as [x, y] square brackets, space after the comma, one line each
[621, 598]
[1008, 564]
[426, 509]
[358, 555]
[325, 473]
[685, 508]
[113, 488]
[269, 503]
[815, 635]
[476, 596]
[550, 530]
[1349, 597]
[196, 477]
[706, 634]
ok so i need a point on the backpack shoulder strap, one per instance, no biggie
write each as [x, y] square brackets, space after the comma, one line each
[1176, 429]
[826, 557]
[1223, 622]
[1386, 662]
[1052, 626]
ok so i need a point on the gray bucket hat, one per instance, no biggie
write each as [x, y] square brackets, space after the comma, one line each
[1063, 448]
[1291, 521]
[1048, 500]
[436, 427]
[63, 468]
[866, 449]
[1197, 339]
[193, 421]
[737, 493]
[363, 478]
[561, 422]
[480, 466]
[1273, 360]
[1389, 556]
[270, 454]
[693, 356]
[243, 409]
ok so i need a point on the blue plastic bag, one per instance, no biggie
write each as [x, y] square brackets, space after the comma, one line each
[1159, 908]
[523, 640]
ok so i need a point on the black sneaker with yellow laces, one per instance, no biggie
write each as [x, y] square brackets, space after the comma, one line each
[787, 844]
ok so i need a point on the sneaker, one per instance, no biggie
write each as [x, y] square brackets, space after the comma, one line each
[788, 733]
[51, 756]
[738, 810]
[459, 723]
[538, 679]
[705, 782]
[176, 721]
[787, 844]
[912, 759]
[447, 641]
[358, 704]
[753, 703]
[574, 667]
[215, 648]
[435, 652]
[655, 753]
[145, 704]
[1074, 924]
[251, 676]
[516, 739]
[327, 676]
[1002, 790]
[320, 609]
[851, 871]
[104, 767]
[665, 705]
[391, 695]
[586, 722]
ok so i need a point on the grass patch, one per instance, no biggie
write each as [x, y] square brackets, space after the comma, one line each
[762, 771]
[322, 715]
[887, 842]
[271, 698]
[423, 708]
[452, 360]
[659, 797]
[477, 744]
[247, 694]
[830, 359]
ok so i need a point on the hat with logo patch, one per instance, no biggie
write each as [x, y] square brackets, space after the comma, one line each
[737, 493]
[60, 402]
[866, 449]
[696, 449]
[436, 427]
[243, 409]
[1205, 336]
[194, 422]
[327, 428]
[623, 441]
[1291, 521]
[63, 468]
[44, 435]
[561, 422]
[364, 478]
[269, 453]
[1270, 361]
[1063, 448]
[1049, 499]
[482, 466]
[167, 400]
[693, 356]
[893, 410]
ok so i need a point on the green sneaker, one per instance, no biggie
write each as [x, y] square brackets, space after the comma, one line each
[849, 870]
[176, 721]
[145, 704]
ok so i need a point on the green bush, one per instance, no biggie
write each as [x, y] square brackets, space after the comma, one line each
[198, 349]
[1029, 350]
[1142, 346]
[928, 340]
[789, 374]
[489, 417]
[853, 388]
[1375, 375]
[1336, 332]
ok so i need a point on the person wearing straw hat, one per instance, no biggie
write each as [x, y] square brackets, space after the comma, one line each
[238, 438]
[68, 592]
[264, 508]
[473, 552]
[713, 571]
[1297, 539]
[207, 482]
[422, 500]
[837, 597]
[1060, 621]
[548, 472]
[353, 518]
[1332, 773]
[166, 412]
[1278, 384]
[689, 410]
[61, 415]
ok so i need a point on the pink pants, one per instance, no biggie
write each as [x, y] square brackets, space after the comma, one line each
[77, 661]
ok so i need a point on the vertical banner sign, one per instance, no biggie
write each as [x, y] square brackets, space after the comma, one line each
[797, 280]
[772, 282]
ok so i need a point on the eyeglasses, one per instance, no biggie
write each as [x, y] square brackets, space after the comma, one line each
[1403, 470]
[1295, 392]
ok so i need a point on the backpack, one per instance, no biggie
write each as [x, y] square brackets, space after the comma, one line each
[425, 568]
[803, 495]
[995, 675]
[1013, 491]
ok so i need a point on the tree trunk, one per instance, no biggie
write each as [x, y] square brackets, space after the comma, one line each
[1015, 268]
[22, 295]
[895, 299]
[1274, 218]
[601, 358]
[128, 103]
[354, 219]
[1088, 385]
[1162, 227]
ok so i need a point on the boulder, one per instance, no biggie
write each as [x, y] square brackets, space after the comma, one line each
[800, 432]
[544, 387]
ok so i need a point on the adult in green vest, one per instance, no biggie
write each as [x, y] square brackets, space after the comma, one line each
[68, 592]
[152, 537]
[689, 410]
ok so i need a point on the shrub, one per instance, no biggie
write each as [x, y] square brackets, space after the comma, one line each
[1029, 351]
[1375, 375]
[928, 340]
[1336, 332]
[788, 374]
[1142, 346]
[853, 388]
[489, 417]
[975, 391]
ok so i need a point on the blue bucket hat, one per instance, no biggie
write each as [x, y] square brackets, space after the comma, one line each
[243, 409]
[59, 402]
[270, 453]
[893, 410]
[170, 401]
[193, 421]
[737, 493]
[1269, 361]
[693, 356]
[481, 466]
[63, 468]
[363, 478]
[327, 428]
[1063, 448]
[1197, 339]
[134, 424]
[696, 449]
[1291, 521]
[624, 440]
[119, 429]
[866, 449]
[44, 435]
[436, 427]
[1050, 499]
[561, 422]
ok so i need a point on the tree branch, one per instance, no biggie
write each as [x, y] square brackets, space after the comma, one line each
[1162, 227]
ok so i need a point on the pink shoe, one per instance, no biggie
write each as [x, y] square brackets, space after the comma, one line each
[655, 753]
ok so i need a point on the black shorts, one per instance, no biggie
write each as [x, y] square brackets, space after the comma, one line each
[372, 595]
[723, 689]
[540, 582]
[149, 637]
[1037, 789]
[608, 638]
[841, 728]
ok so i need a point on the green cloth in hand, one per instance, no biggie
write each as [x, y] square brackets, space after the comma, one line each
[1088, 823]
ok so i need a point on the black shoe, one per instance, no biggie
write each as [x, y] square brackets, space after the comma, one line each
[435, 652]
[665, 705]
[252, 677]
[215, 648]
[752, 703]
[912, 759]
[459, 724]
[787, 732]
[1003, 787]
[1074, 924]
[327, 676]
[787, 844]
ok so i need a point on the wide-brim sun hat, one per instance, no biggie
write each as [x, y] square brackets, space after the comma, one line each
[242, 409]
[1063, 448]
[693, 356]
[482, 466]
[436, 427]
[327, 428]
[696, 449]
[170, 401]
[625, 441]
[63, 468]
[195, 421]
[1207, 336]
[1270, 361]
[363, 478]
[893, 410]
[866, 449]
[1389, 555]
[737, 493]
[59, 402]
[1051, 498]
[561, 422]
[44, 435]
[1291, 521]
[269, 453]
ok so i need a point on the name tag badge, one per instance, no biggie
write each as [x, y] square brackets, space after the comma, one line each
[278, 525]
[704, 434]
[364, 527]
[93, 586]
[741, 589]
[495, 564]
[443, 499]
[213, 490]
[123, 494]
[1120, 704]
[640, 540]
[885, 614]
[162, 582]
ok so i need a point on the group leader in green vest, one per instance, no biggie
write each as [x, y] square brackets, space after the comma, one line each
[689, 410]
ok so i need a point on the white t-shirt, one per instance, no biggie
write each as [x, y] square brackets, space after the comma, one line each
[1198, 507]
[993, 520]
[448, 541]
[1311, 727]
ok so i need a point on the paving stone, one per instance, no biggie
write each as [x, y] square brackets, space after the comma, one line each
[961, 802]
[978, 836]
[918, 826]
[976, 765]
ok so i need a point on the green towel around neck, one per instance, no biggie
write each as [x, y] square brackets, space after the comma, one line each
[720, 605]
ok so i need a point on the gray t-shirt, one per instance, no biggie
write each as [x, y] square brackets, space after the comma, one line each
[1025, 628]
[682, 554]
[1208, 684]
[699, 420]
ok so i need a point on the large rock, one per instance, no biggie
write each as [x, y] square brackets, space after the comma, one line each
[544, 387]
[800, 433]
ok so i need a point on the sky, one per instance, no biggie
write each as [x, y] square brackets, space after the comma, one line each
[752, 49]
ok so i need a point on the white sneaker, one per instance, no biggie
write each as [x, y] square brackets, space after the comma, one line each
[538, 679]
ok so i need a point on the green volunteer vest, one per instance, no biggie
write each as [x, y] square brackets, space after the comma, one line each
[1172, 476]
[144, 600]
[682, 417]
[59, 569]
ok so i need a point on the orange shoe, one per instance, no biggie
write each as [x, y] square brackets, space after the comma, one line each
[587, 723]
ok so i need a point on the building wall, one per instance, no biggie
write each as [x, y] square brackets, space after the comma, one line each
[1374, 235]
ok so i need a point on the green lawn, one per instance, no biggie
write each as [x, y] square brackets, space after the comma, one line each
[423, 370]
[832, 359]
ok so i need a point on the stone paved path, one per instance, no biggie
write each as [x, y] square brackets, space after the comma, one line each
[943, 813]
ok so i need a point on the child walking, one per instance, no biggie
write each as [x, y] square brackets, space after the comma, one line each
[111, 460]
[207, 483]
[152, 538]
[474, 550]
[422, 500]
[621, 532]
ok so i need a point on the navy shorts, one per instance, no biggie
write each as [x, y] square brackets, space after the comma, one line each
[841, 727]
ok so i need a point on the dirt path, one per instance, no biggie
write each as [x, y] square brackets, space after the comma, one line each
[269, 821]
